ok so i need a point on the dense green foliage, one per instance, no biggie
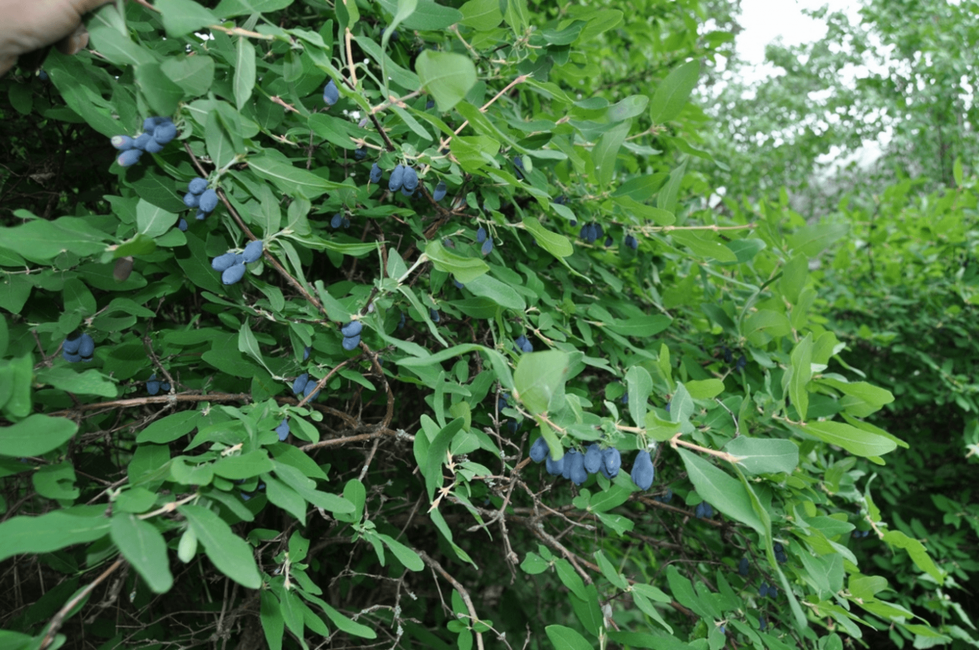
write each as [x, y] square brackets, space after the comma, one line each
[298, 481]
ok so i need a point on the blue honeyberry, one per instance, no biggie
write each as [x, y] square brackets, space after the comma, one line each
[72, 343]
[200, 215]
[306, 352]
[410, 179]
[165, 387]
[224, 262]
[245, 496]
[631, 242]
[233, 274]
[397, 178]
[458, 285]
[762, 624]
[561, 200]
[197, 185]
[643, 471]
[555, 467]
[763, 590]
[336, 221]
[574, 223]
[480, 235]
[539, 450]
[350, 343]
[142, 140]
[209, 200]
[406, 192]
[122, 142]
[487, 247]
[153, 146]
[283, 430]
[578, 473]
[150, 123]
[772, 591]
[152, 385]
[429, 104]
[518, 342]
[165, 133]
[625, 398]
[331, 94]
[512, 426]
[527, 346]
[376, 173]
[503, 401]
[440, 191]
[182, 224]
[743, 567]
[299, 385]
[518, 167]
[666, 498]
[569, 462]
[310, 385]
[401, 321]
[593, 458]
[611, 462]
[436, 317]
[192, 200]
[253, 251]
[71, 358]
[742, 362]
[609, 241]
[353, 328]
[360, 153]
[86, 347]
[129, 158]
[345, 222]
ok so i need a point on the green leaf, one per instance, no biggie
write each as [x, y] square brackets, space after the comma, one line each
[405, 555]
[181, 17]
[428, 15]
[465, 269]
[144, 548]
[917, 552]
[564, 638]
[229, 8]
[152, 221]
[606, 150]
[36, 435]
[538, 377]
[170, 428]
[90, 382]
[502, 294]
[639, 385]
[481, 15]
[53, 531]
[244, 466]
[811, 240]
[448, 76]
[230, 554]
[161, 94]
[555, 244]
[244, 79]
[854, 440]
[437, 455]
[288, 178]
[764, 455]
[672, 95]
[705, 388]
[799, 375]
[405, 9]
[717, 487]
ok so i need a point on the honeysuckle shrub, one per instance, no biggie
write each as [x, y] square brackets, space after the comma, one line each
[298, 481]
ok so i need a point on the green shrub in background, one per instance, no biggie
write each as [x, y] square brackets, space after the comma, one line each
[298, 481]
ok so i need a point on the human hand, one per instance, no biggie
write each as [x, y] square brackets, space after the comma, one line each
[28, 25]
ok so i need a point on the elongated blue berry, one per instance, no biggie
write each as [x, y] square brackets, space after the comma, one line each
[122, 142]
[578, 474]
[72, 343]
[376, 173]
[197, 185]
[611, 462]
[410, 179]
[299, 385]
[331, 94]
[283, 430]
[350, 343]
[306, 352]
[224, 262]
[397, 178]
[209, 200]
[440, 191]
[142, 140]
[150, 123]
[253, 251]
[192, 200]
[480, 235]
[360, 153]
[743, 567]
[233, 274]
[152, 385]
[129, 158]
[539, 450]
[642, 470]
[593, 458]
[436, 317]
[153, 146]
[353, 328]
[527, 346]
[182, 224]
[487, 247]
[86, 347]
[631, 242]
[555, 467]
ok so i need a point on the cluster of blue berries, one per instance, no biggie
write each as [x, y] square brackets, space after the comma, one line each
[575, 465]
[245, 496]
[231, 265]
[522, 344]
[631, 242]
[303, 386]
[154, 385]
[331, 94]
[404, 179]
[78, 347]
[283, 430]
[351, 334]
[704, 510]
[502, 402]
[200, 197]
[487, 242]
[860, 534]
[157, 132]
[766, 590]
[780, 553]
[519, 168]
[339, 221]
[666, 497]
[591, 232]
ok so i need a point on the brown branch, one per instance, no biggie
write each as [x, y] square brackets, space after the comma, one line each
[458, 587]
[59, 618]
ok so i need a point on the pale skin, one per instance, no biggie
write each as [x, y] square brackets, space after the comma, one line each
[28, 25]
